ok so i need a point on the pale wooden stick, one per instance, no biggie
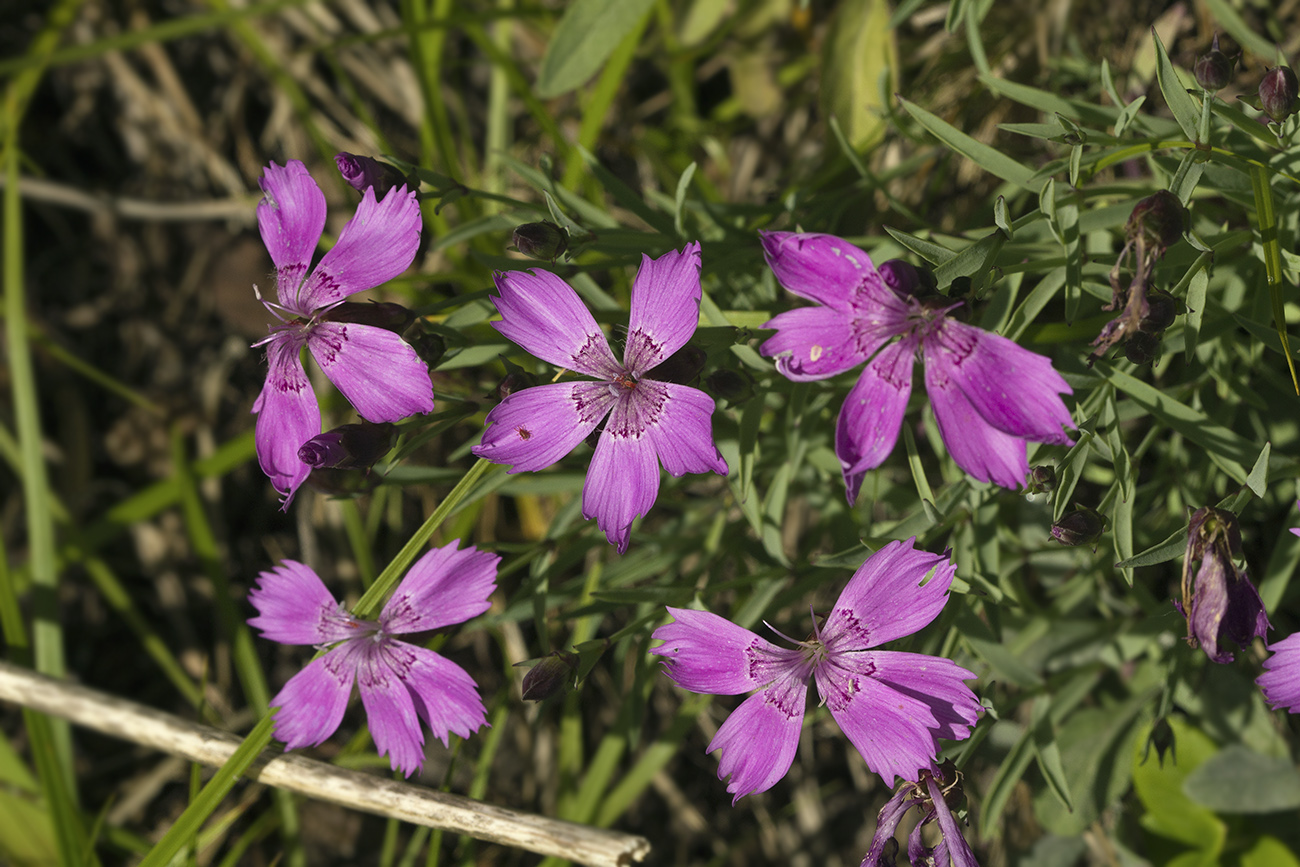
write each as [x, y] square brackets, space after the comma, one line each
[129, 721]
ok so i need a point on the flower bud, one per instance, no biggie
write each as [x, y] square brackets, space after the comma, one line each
[1213, 68]
[1277, 92]
[429, 345]
[681, 367]
[906, 279]
[549, 676]
[543, 240]
[348, 447]
[1158, 220]
[515, 380]
[1080, 527]
[1141, 347]
[732, 385]
[1163, 739]
[363, 172]
[1042, 479]
[1161, 310]
[381, 314]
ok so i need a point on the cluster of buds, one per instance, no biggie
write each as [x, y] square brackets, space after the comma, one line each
[1219, 601]
[1155, 225]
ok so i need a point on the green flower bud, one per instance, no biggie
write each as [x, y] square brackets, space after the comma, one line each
[1042, 479]
[543, 240]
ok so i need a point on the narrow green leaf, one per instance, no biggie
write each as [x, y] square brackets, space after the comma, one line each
[1257, 480]
[1171, 86]
[1198, 282]
[1170, 549]
[990, 159]
[584, 39]
[1239, 780]
[935, 254]
[683, 185]
[859, 50]
[1048, 753]
[1000, 216]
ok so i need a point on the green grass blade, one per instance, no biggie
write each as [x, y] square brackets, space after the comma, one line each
[1268, 238]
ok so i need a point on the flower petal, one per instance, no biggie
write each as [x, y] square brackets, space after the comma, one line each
[1013, 389]
[678, 421]
[390, 709]
[665, 308]
[872, 414]
[1280, 681]
[294, 607]
[291, 217]
[543, 314]
[709, 654]
[445, 696]
[313, 701]
[759, 739]
[983, 451]
[445, 586]
[825, 269]
[887, 822]
[623, 479]
[534, 428]
[939, 683]
[885, 598]
[953, 846]
[816, 342]
[891, 730]
[287, 416]
[376, 245]
[377, 371]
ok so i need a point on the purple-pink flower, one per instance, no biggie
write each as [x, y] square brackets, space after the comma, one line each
[1280, 681]
[934, 794]
[989, 395]
[374, 368]
[891, 705]
[400, 683]
[649, 421]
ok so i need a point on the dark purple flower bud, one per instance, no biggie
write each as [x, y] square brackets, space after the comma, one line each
[681, 367]
[594, 437]
[732, 385]
[1080, 527]
[349, 447]
[428, 344]
[1220, 602]
[1161, 310]
[1042, 479]
[549, 676]
[901, 276]
[1213, 68]
[363, 172]
[1141, 347]
[1277, 92]
[542, 240]
[381, 314]
[1162, 737]
[1157, 220]
[516, 380]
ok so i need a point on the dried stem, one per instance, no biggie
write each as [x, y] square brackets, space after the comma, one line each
[360, 791]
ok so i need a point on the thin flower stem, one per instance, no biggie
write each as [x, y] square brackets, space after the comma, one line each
[367, 607]
[354, 789]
